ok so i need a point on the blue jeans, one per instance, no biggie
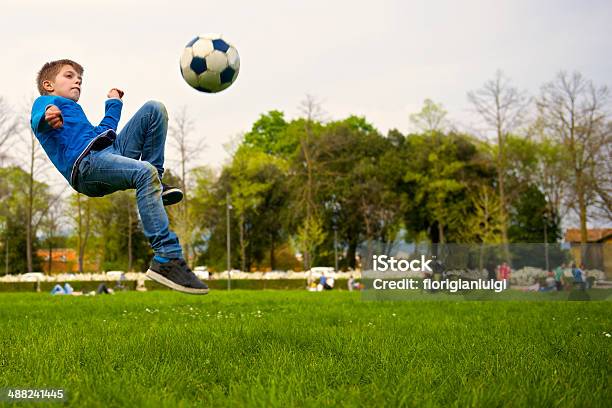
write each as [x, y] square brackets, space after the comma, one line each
[136, 160]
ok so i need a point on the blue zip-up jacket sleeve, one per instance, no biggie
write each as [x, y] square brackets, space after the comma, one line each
[38, 113]
[66, 144]
[111, 116]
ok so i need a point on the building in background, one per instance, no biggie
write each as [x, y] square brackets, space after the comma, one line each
[598, 251]
[63, 260]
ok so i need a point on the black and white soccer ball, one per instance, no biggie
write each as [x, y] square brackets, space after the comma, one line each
[209, 63]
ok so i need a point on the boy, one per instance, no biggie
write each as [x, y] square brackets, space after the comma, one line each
[97, 161]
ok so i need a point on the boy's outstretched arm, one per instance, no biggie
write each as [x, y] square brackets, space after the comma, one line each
[46, 115]
[113, 111]
[53, 116]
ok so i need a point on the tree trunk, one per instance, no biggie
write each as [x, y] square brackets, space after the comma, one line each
[30, 207]
[242, 245]
[546, 245]
[130, 255]
[351, 252]
[50, 258]
[272, 260]
[582, 211]
[29, 238]
[83, 231]
[501, 168]
[6, 255]
[440, 233]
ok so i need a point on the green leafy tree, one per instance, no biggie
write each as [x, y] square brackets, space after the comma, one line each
[310, 235]
[248, 189]
[15, 186]
[269, 135]
[441, 170]
[431, 118]
[531, 220]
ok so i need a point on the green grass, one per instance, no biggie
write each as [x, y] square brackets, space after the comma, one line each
[294, 348]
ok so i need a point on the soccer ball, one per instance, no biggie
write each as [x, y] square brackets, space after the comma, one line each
[209, 63]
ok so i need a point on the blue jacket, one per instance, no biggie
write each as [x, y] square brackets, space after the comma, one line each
[67, 145]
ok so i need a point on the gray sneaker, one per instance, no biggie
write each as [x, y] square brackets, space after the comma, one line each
[176, 275]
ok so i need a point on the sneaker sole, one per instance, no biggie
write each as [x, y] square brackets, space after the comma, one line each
[172, 285]
[172, 196]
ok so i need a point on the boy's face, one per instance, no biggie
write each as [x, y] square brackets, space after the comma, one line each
[67, 83]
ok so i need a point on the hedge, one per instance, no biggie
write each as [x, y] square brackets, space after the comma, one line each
[249, 284]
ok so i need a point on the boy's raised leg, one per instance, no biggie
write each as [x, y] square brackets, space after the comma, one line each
[144, 138]
[106, 171]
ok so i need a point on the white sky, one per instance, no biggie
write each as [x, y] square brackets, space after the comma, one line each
[380, 59]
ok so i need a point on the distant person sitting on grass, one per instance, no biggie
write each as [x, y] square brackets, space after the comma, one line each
[322, 282]
[97, 161]
[550, 283]
[533, 288]
[120, 282]
[329, 284]
[66, 290]
[104, 290]
[354, 284]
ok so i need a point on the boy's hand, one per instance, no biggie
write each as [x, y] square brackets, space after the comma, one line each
[115, 93]
[53, 116]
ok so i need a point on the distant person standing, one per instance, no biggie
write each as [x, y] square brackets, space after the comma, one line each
[578, 277]
[504, 272]
[585, 277]
[559, 271]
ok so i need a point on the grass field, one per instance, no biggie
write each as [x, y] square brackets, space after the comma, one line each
[280, 348]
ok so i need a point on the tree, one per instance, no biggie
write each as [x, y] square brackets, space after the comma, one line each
[551, 173]
[502, 108]
[180, 134]
[9, 126]
[81, 214]
[310, 235]
[29, 156]
[440, 172]
[431, 118]
[248, 188]
[531, 219]
[439, 183]
[573, 111]
[15, 186]
[311, 108]
[603, 174]
[268, 134]
[482, 223]
[50, 225]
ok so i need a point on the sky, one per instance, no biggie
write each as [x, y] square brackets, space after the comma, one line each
[379, 59]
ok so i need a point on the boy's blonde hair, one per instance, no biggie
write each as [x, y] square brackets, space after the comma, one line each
[50, 70]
